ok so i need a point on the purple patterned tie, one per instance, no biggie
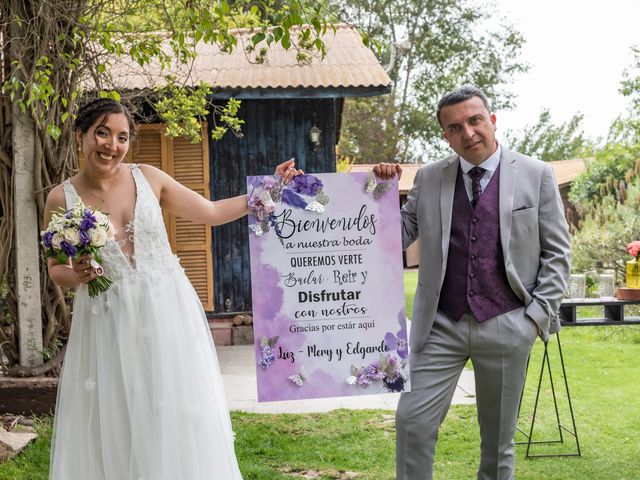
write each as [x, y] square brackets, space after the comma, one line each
[476, 174]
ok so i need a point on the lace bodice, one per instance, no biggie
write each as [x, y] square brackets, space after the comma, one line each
[152, 256]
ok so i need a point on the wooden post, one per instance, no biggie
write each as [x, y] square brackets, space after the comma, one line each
[26, 240]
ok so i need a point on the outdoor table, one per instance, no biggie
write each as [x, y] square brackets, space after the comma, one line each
[613, 309]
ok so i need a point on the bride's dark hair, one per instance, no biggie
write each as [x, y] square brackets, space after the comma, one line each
[102, 107]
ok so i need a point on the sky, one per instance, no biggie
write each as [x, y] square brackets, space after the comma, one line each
[577, 52]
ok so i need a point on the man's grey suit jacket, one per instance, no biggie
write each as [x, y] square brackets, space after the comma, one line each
[533, 232]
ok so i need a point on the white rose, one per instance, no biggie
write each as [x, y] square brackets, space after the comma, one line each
[101, 218]
[72, 236]
[55, 240]
[98, 236]
[57, 225]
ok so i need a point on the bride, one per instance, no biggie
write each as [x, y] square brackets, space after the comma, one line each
[140, 395]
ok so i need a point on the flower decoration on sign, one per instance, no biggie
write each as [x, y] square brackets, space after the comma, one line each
[266, 352]
[387, 369]
[634, 248]
[378, 189]
[268, 191]
[399, 341]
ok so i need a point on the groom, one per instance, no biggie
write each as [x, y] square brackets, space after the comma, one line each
[494, 260]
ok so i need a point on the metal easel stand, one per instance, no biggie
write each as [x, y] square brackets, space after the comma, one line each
[561, 428]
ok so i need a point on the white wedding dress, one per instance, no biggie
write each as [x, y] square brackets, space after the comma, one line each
[141, 395]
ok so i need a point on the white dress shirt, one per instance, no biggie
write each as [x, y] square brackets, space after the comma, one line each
[490, 165]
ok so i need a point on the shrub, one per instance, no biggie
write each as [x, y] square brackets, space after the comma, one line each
[606, 229]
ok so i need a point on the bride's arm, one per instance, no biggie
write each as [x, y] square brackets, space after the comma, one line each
[182, 202]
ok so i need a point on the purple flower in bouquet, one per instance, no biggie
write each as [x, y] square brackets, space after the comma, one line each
[46, 239]
[68, 249]
[305, 184]
[85, 237]
[88, 223]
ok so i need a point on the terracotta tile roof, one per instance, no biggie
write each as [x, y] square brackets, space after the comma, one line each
[565, 172]
[348, 64]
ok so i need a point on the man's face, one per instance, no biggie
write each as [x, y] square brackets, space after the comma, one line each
[470, 130]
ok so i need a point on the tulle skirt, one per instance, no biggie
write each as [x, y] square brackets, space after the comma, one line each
[141, 395]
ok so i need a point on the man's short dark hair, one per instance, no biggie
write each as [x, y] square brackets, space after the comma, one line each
[459, 95]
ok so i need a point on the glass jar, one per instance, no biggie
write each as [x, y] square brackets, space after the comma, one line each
[577, 285]
[606, 284]
[633, 273]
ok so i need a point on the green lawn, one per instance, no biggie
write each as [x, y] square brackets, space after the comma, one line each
[410, 284]
[602, 367]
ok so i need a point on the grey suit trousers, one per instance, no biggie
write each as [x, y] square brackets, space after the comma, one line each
[498, 349]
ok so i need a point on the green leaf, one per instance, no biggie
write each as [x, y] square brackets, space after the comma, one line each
[278, 33]
[257, 38]
[54, 131]
[62, 258]
[286, 41]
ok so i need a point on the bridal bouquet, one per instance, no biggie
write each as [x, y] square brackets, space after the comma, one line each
[76, 232]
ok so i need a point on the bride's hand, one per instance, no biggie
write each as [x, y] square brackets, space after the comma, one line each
[287, 170]
[83, 269]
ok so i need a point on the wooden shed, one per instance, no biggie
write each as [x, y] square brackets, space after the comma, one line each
[282, 101]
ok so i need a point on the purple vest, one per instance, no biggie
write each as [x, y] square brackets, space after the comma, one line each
[475, 279]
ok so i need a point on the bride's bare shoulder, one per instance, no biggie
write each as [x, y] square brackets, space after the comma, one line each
[155, 176]
[55, 200]
[149, 171]
[157, 179]
[56, 195]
